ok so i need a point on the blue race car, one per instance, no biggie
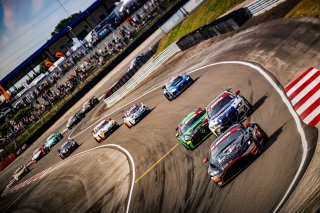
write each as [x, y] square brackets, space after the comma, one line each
[176, 86]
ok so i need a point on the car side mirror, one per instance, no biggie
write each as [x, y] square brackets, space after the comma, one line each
[247, 124]
[237, 92]
[205, 160]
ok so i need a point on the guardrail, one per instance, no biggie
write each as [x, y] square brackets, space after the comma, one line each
[144, 72]
[261, 6]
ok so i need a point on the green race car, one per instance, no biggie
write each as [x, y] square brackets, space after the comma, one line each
[194, 129]
[52, 140]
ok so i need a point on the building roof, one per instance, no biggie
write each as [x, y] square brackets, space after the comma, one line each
[37, 53]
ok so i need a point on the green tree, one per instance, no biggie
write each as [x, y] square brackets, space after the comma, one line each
[63, 23]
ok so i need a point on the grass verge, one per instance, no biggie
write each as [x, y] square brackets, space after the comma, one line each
[206, 13]
[305, 8]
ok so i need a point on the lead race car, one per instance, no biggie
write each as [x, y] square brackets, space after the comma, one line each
[104, 129]
[227, 109]
[233, 150]
[176, 86]
[193, 129]
[135, 114]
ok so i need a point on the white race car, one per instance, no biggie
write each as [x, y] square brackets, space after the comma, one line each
[104, 129]
[135, 114]
[227, 109]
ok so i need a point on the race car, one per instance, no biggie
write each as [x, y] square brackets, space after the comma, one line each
[75, 119]
[193, 129]
[38, 153]
[20, 172]
[227, 109]
[135, 114]
[52, 140]
[67, 148]
[104, 129]
[233, 150]
[176, 86]
[89, 104]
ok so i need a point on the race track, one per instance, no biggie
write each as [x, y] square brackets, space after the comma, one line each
[179, 181]
[168, 178]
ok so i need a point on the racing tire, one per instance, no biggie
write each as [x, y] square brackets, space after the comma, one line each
[169, 99]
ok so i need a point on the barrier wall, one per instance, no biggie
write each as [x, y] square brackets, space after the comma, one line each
[143, 72]
[220, 26]
[7, 161]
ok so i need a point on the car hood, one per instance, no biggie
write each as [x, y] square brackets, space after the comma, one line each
[187, 135]
[225, 110]
[230, 153]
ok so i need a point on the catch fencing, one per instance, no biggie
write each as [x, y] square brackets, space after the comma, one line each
[143, 73]
[225, 24]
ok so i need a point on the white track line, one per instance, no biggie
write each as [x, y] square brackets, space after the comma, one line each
[284, 99]
[99, 147]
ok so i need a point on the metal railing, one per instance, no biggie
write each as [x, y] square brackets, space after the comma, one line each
[144, 72]
[261, 6]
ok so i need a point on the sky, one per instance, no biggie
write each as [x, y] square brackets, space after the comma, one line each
[25, 25]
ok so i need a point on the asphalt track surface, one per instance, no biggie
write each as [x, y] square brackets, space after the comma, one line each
[178, 182]
[168, 177]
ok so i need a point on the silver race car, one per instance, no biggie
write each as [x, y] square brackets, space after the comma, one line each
[135, 114]
[227, 109]
[104, 129]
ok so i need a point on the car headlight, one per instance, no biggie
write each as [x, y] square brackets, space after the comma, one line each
[187, 78]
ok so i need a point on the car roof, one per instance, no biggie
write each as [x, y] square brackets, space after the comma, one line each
[218, 99]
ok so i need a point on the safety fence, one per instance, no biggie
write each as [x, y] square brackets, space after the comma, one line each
[225, 24]
[261, 6]
[143, 72]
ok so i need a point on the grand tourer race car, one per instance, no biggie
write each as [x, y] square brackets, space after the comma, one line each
[38, 153]
[233, 150]
[227, 109]
[176, 86]
[135, 114]
[52, 140]
[89, 104]
[20, 172]
[75, 119]
[104, 129]
[193, 129]
[67, 148]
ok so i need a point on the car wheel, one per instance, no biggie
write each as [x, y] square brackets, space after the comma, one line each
[169, 99]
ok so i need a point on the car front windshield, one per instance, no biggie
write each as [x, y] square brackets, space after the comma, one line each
[134, 109]
[218, 104]
[65, 145]
[176, 80]
[189, 123]
[36, 151]
[102, 124]
[225, 143]
[50, 137]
